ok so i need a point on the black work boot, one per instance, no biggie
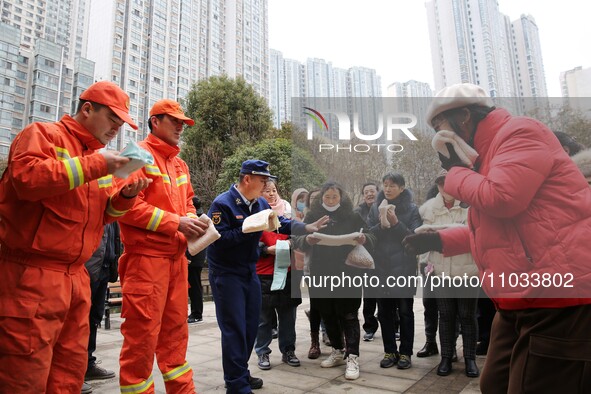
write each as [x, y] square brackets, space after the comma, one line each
[444, 367]
[430, 349]
[472, 370]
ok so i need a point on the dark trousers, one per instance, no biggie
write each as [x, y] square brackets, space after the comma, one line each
[340, 316]
[450, 311]
[370, 322]
[542, 350]
[431, 313]
[486, 314]
[315, 317]
[237, 306]
[98, 294]
[196, 291]
[386, 315]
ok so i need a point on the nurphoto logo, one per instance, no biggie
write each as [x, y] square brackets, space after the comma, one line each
[390, 122]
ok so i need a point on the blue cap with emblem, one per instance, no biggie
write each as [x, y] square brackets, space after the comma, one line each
[256, 167]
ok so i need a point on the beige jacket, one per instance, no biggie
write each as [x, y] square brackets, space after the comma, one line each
[434, 212]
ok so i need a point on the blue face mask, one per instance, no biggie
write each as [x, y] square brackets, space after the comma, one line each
[300, 206]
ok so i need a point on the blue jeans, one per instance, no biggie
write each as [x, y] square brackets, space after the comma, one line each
[286, 317]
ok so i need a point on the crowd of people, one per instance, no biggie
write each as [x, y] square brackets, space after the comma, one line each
[508, 200]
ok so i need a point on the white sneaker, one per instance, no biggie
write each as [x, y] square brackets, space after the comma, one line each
[352, 371]
[335, 358]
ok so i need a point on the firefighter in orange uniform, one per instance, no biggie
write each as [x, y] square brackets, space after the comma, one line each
[55, 197]
[153, 268]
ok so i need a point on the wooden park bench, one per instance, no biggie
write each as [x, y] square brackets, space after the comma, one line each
[114, 299]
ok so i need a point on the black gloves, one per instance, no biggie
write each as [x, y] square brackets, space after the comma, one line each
[453, 161]
[422, 243]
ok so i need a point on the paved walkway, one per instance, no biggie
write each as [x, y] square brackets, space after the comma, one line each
[204, 355]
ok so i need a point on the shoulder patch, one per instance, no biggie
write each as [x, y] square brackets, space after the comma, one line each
[216, 217]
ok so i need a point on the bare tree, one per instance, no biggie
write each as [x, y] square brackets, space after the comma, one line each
[564, 118]
[3, 164]
[204, 168]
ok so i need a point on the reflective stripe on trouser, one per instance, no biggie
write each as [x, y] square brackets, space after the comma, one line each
[155, 300]
[44, 329]
[141, 387]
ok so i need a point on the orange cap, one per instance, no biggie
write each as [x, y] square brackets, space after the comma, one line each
[172, 108]
[111, 95]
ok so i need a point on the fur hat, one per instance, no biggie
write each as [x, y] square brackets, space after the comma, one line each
[583, 161]
[457, 96]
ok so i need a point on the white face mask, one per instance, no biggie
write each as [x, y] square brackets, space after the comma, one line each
[331, 209]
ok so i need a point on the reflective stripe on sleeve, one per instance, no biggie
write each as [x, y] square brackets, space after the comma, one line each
[181, 180]
[74, 170]
[62, 153]
[152, 170]
[114, 212]
[155, 220]
[105, 181]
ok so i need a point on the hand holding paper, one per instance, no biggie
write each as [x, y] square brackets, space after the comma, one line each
[197, 244]
[385, 213]
[265, 220]
[139, 158]
[337, 240]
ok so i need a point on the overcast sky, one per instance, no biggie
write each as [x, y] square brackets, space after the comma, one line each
[392, 36]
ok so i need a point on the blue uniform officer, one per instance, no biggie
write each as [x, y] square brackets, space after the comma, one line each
[232, 261]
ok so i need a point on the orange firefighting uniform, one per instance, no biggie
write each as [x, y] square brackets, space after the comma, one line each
[153, 271]
[55, 197]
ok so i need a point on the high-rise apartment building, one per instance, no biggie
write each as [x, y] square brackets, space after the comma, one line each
[528, 56]
[410, 88]
[42, 42]
[469, 44]
[365, 92]
[13, 76]
[319, 78]
[364, 82]
[158, 49]
[151, 49]
[576, 82]
[472, 41]
[411, 97]
[286, 82]
[575, 85]
[321, 84]
[341, 83]
[246, 44]
[62, 22]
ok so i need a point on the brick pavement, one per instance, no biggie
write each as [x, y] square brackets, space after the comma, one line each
[204, 355]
